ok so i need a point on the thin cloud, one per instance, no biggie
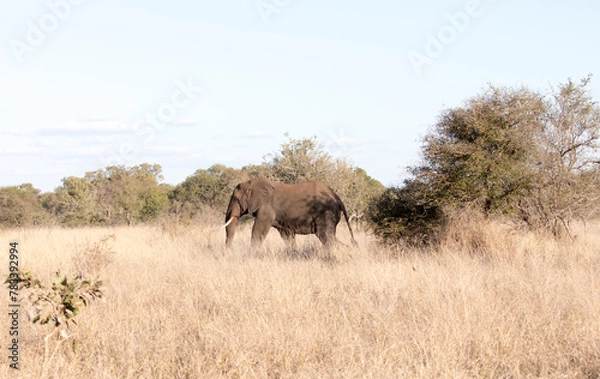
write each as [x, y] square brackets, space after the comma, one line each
[86, 127]
[21, 152]
[342, 141]
[50, 152]
[161, 150]
[82, 152]
[14, 132]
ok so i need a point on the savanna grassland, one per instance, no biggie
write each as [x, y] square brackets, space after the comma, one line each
[490, 302]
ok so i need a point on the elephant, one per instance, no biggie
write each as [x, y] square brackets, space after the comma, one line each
[309, 207]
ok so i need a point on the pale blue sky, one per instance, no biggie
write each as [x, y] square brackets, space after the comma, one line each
[81, 91]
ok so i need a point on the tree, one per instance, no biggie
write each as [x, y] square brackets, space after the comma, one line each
[517, 152]
[512, 152]
[566, 185]
[154, 201]
[205, 188]
[20, 206]
[129, 194]
[301, 159]
[479, 154]
[305, 159]
[76, 202]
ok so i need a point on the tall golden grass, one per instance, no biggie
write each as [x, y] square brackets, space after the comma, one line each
[490, 302]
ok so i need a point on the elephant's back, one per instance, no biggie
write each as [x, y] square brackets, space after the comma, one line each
[311, 188]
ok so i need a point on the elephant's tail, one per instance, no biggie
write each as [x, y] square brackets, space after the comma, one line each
[354, 243]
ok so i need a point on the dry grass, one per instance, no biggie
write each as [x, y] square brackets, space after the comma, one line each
[490, 302]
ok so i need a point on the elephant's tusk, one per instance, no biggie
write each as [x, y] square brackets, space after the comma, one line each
[228, 222]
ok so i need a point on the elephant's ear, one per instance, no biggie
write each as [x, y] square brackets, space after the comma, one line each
[261, 192]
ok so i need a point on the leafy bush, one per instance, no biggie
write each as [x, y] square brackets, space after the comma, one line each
[405, 215]
[59, 304]
[56, 306]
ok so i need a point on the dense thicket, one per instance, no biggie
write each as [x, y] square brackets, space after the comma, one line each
[526, 156]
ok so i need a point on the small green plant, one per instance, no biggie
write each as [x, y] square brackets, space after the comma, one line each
[57, 306]
[63, 301]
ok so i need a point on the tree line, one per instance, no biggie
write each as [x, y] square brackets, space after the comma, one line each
[120, 195]
[528, 157]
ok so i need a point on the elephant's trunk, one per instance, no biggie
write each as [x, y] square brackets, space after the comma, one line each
[233, 214]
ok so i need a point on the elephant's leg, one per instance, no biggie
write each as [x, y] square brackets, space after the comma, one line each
[326, 237]
[326, 234]
[289, 237]
[328, 240]
[260, 229]
[326, 231]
